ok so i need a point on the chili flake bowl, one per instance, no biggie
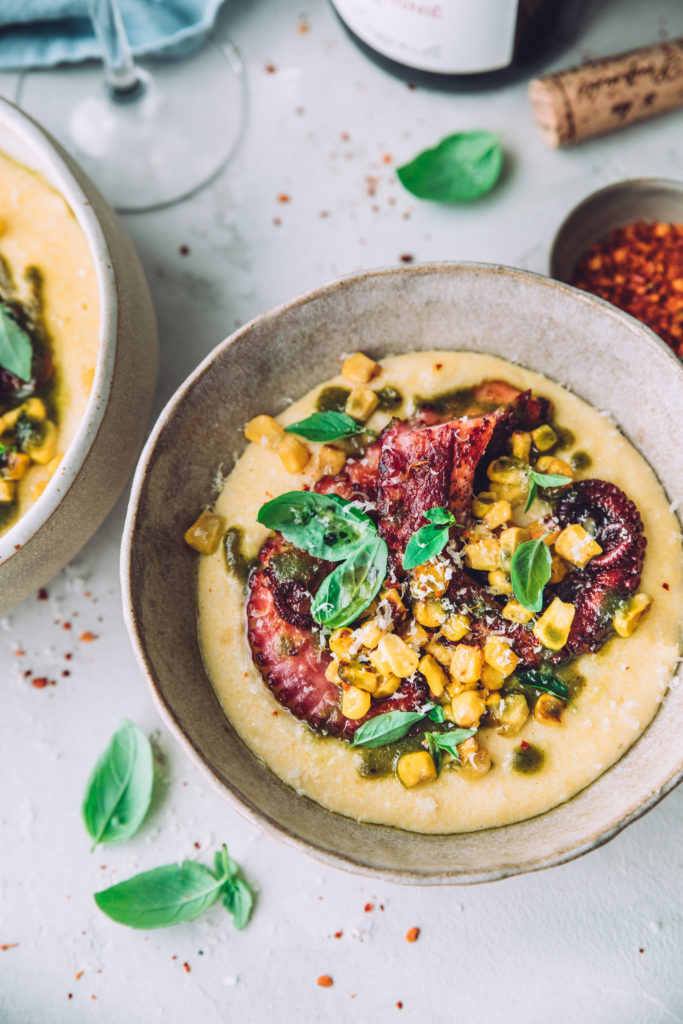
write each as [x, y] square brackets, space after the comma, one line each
[566, 334]
[102, 453]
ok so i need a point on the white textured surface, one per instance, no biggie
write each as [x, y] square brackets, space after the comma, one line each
[596, 940]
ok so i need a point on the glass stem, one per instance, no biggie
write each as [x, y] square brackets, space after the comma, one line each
[120, 72]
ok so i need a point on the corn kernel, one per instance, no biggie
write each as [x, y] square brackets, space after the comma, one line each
[361, 403]
[332, 673]
[544, 438]
[499, 655]
[387, 685]
[558, 568]
[628, 617]
[413, 633]
[539, 530]
[483, 554]
[515, 493]
[491, 677]
[455, 627]
[482, 503]
[521, 445]
[506, 471]
[293, 454]
[499, 582]
[392, 596]
[467, 708]
[440, 650]
[369, 634]
[341, 643]
[468, 747]
[510, 715]
[355, 703]
[357, 675]
[359, 368]
[331, 460]
[499, 514]
[510, 540]
[401, 659]
[430, 613]
[552, 629]
[466, 664]
[473, 766]
[516, 612]
[548, 710]
[35, 409]
[437, 680]
[205, 533]
[577, 546]
[430, 579]
[8, 491]
[264, 430]
[9, 419]
[412, 769]
[16, 466]
[44, 450]
[548, 464]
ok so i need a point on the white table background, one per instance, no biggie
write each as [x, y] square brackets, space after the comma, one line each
[597, 940]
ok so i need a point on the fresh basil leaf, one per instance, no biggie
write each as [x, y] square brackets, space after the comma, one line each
[16, 350]
[440, 516]
[238, 900]
[460, 168]
[424, 544]
[537, 480]
[119, 789]
[386, 728]
[542, 680]
[161, 897]
[533, 489]
[450, 741]
[353, 585]
[436, 714]
[224, 865]
[434, 751]
[529, 573]
[326, 426]
[325, 525]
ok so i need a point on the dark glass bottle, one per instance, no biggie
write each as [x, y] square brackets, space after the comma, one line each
[460, 44]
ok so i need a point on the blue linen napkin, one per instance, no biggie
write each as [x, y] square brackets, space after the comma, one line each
[42, 33]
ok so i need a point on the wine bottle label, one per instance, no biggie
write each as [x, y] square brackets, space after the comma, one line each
[456, 37]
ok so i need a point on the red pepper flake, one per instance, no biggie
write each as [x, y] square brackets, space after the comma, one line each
[28, 673]
[304, 28]
[275, 713]
[407, 258]
[524, 745]
[284, 198]
[65, 672]
[87, 637]
[40, 682]
[399, 1005]
[412, 934]
[187, 967]
[19, 654]
[68, 657]
[338, 934]
[345, 137]
[641, 950]
[411, 85]
[639, 268]
[270, 69]
[184, 250]
[387, 158]
[8, 945]
[70, 995]
[665, 586]
[93, 997]
[79, 975]
[325, 981]
[368, 907]
[277, 222]
[197, 846]
[66, 625]
[42, 594]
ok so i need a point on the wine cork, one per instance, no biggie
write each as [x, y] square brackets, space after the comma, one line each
[607, 94]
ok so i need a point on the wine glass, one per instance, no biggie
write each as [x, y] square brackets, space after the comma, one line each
[147, 134]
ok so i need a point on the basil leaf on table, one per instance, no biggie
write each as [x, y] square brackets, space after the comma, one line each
[238, 900]
[386, 728]
[326, 426]
[353, 585]
[529, 572]
[16, 350]
[537, 480]
[325, 525]
[543, 680]
[460, 168]
[119, 789]
[429, 540]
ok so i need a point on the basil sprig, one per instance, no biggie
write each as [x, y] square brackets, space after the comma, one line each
[530, 569]
[329, 527]
[350, 588]
[392, 726]
[537, 480]
[327, 426]
[429, 540]
[460, 168]
[543, 679]
[177, 892]
[449, 741]
[119, 789]
[16, 351]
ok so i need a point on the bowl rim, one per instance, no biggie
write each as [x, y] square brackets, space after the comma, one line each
[53, 164]
[136, 632]
[579, 209]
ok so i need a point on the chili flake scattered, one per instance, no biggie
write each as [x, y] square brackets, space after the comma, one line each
[42, 594]
[368, 907]
[87, 637]
[412, 934]
[639, 268]
[40, 682]
[325, 981]
[8, 945]
[187, 967]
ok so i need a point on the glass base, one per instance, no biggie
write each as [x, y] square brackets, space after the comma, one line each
[155, 145]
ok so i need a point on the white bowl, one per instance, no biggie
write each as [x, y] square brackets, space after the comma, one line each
[101, 456]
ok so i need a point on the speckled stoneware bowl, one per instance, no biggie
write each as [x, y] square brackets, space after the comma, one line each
[604, 356]
[101, 456]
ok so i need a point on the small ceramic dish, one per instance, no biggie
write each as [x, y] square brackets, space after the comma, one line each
[648, 199]
[566, 334]
[101, 455]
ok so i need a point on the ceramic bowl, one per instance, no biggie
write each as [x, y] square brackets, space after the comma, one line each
[102, 454]
[604, 356]
[648, 199]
